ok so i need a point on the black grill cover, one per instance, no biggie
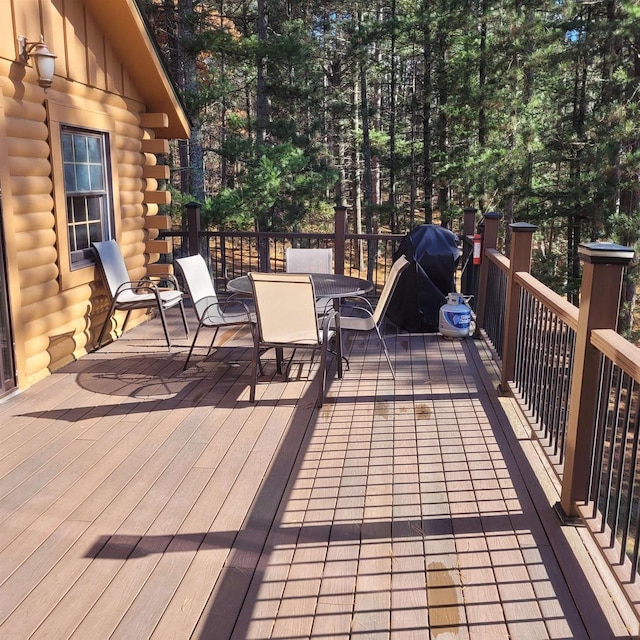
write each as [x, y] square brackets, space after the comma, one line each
[423, 286]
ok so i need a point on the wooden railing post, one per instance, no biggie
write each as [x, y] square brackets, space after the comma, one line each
[599, 302]
[489, 241]
[193, 228]
[264, 257]
[340, 222]
[223, 257]
[469, 221]
[520, 260]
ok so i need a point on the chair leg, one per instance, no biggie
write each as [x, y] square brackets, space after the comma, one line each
[322, 375]
[344, 361]
[126, 320]
[184, 319]
[107, 320]
[254, 365]
[386, 353]
[338, 338]
[164, 326]
[104, 328]
[193, 344]
[215, 334]
[279, 359]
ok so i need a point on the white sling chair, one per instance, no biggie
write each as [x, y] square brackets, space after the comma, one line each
[286, 318]
[309, 260]
[126, 295]
[210, 312]
[372, 319]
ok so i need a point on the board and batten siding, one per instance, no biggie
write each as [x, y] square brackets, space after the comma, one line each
[57, 313]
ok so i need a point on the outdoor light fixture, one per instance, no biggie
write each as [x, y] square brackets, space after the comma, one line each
[44, 60]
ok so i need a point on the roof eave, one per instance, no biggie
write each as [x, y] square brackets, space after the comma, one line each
[123, 24]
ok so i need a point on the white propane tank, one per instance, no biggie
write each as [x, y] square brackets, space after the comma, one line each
[455, 317]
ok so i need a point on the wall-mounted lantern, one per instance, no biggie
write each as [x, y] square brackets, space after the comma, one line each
[44, 60]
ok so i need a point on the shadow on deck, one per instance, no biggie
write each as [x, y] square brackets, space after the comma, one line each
[141, 501]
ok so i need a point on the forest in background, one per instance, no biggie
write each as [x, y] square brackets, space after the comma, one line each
[409, 111]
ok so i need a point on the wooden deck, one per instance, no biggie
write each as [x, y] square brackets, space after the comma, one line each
[140, 501]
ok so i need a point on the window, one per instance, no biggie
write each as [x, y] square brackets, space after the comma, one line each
[88, 200]
[86, 187]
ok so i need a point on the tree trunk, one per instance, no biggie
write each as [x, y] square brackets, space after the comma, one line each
[357, 177]
[366, 150]
[579, 119]
[262, 100]
[482, 82]
[376, 177]
[393, 114]
[368, 176]
[427, 89]
[413, 178]
[442, 79]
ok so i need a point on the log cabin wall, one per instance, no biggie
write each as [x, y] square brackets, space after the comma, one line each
[57, 311]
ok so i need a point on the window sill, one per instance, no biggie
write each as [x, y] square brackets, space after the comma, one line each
[80, 275]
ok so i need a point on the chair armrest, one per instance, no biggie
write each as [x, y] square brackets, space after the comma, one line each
[169, 279]
[241, 295]
[366, 311]
[226, 303]
[363, 301]
[330, 321]
[328, 305]
[138, 286]
[245, 299]
[222, 307]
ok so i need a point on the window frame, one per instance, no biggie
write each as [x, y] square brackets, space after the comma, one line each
[80, 258]
[63, 117]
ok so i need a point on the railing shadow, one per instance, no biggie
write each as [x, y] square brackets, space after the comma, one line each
[530, 487]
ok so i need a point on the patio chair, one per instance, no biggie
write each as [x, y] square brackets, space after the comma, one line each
[372, 319]
[309, 260]
[127, 295]
[286, 318]
[209, 311]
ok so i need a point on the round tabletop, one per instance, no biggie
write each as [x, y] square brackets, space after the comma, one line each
[326, 285]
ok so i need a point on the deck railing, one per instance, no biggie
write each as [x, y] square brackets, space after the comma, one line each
[613, 500]
[233, 254]
[496, 299]
[577, 380]
[230, 254]
[545, 349]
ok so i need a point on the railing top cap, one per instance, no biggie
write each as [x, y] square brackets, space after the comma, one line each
[608, 252]
[492, 215]
[522, 226]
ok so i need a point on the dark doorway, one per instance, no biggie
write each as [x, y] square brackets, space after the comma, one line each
[7, 366]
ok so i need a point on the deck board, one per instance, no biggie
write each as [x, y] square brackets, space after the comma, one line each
[139, 500]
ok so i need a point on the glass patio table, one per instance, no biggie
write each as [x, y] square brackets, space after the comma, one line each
[326, 285]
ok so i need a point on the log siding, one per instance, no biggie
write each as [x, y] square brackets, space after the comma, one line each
[56, 311]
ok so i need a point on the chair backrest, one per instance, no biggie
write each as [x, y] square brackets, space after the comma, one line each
[285, 308]
[198, 282]
[309, 260]
[389, 287]
[112, 265]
